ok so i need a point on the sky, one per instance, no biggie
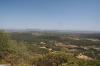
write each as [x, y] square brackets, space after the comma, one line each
[50, 14]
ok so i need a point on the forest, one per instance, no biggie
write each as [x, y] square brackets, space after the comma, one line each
[49, 49]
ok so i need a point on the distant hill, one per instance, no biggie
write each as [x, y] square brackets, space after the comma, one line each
[51, 31]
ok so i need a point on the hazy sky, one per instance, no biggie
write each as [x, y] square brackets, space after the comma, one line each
[50, 14]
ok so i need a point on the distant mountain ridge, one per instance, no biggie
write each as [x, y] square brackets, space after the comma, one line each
[55, 31]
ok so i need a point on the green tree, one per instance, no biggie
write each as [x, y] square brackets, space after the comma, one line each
[4, 44]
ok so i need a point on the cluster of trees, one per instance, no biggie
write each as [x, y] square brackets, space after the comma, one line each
[62, 59]
[19, 53]
[30, 38]
[92, 35]
[13, 52]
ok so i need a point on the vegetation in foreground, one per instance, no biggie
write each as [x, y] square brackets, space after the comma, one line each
[25, 49]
